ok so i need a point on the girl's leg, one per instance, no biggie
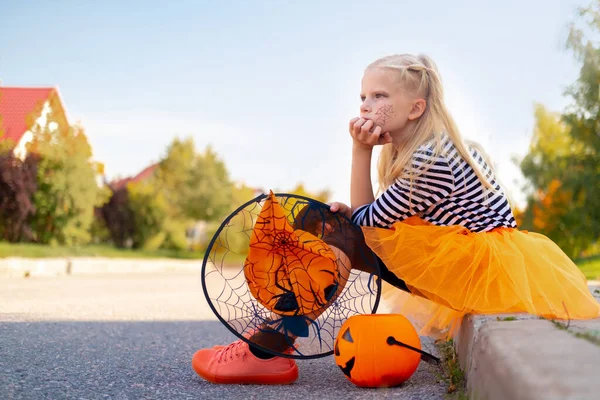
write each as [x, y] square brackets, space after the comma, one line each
[348, 238]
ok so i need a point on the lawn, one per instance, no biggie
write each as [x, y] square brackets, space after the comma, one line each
[590, 267]
[30, 250]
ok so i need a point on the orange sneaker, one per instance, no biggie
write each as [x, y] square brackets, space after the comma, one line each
[236, 364]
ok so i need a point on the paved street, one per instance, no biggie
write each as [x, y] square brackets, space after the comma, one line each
[132, 337]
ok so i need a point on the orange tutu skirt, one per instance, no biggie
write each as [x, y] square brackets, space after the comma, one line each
[452, 271]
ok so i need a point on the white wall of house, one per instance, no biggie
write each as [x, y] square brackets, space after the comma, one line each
[20, 150]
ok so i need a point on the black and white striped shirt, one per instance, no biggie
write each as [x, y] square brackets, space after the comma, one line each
[448, 193]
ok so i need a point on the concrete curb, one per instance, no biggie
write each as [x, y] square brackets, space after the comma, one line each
[16, 267]
[528, 358]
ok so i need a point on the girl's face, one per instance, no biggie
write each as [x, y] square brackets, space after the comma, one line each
[386, 103]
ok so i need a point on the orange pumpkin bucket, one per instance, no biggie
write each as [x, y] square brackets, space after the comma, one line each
[379, 350]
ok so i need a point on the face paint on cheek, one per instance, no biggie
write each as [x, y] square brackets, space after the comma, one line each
[384, 114]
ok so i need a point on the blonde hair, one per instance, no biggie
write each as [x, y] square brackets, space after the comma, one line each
[418, 75]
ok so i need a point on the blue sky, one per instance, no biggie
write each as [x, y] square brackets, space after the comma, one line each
[271, 84]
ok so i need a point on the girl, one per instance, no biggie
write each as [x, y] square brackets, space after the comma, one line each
[442, 226]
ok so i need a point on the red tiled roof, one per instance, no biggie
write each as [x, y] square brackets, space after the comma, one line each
[15, 105]
[142, 176]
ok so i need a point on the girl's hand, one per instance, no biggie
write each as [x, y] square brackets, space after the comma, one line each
[334, 207]
[342, 208]
[365, 136]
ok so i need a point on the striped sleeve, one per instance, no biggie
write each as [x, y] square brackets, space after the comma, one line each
[394, 204]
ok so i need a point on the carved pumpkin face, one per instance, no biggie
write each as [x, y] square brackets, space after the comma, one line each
[366, 354]
[291, 272]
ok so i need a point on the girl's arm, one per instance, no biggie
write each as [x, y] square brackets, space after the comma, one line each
[361, 188]
[403, 199]
[363, 140]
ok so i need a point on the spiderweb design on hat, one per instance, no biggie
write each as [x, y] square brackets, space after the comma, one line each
[281, 273]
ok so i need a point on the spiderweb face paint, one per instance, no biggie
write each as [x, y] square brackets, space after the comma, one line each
[384, 115]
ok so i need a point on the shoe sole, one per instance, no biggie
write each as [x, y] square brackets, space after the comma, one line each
[284, 378]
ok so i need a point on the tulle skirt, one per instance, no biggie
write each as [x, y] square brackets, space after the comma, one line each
[452, 271]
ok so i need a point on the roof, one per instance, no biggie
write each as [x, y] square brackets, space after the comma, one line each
[16, 103]
[142, 176]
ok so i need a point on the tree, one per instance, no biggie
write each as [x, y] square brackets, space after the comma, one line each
[241, 194]
[235, 237]
[322, 196]
[6, 145]
[552, 206]
[208, 191]
[118, 217]
[583, 118]
[563, 164]
[67, 190]
[17, 186]
[196, 185]
[150, 210]
[172, 174]
[186, 187]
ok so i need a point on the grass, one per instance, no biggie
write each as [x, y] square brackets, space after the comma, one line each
[590, 266]
[452, 372]
[506, 318]
[590, 336]
[31, 250]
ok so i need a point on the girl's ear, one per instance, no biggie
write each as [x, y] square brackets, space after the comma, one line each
[418, 109]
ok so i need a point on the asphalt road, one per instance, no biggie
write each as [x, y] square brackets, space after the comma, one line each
[132, 337]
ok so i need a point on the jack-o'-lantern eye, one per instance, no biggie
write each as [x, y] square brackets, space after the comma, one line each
[347, 336]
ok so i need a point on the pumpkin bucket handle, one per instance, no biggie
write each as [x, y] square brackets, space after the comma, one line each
[424, 355]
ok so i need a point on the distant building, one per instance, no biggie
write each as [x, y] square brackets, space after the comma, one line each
[146, 173]
[22, 108]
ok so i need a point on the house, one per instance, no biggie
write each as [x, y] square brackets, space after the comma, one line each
[21, 108]
[146, 173]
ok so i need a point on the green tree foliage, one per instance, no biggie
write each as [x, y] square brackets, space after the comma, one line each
[6, 145]
[563, 164]
[236, 237]
[322, 196]
[67, 190]
[583, 119]
[552, 207]
[150, 211]
[197, 185]
[186, 187]
[210, 191]
[241, 194]
[172, 174]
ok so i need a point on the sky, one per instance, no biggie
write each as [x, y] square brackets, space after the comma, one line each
[271, 85]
